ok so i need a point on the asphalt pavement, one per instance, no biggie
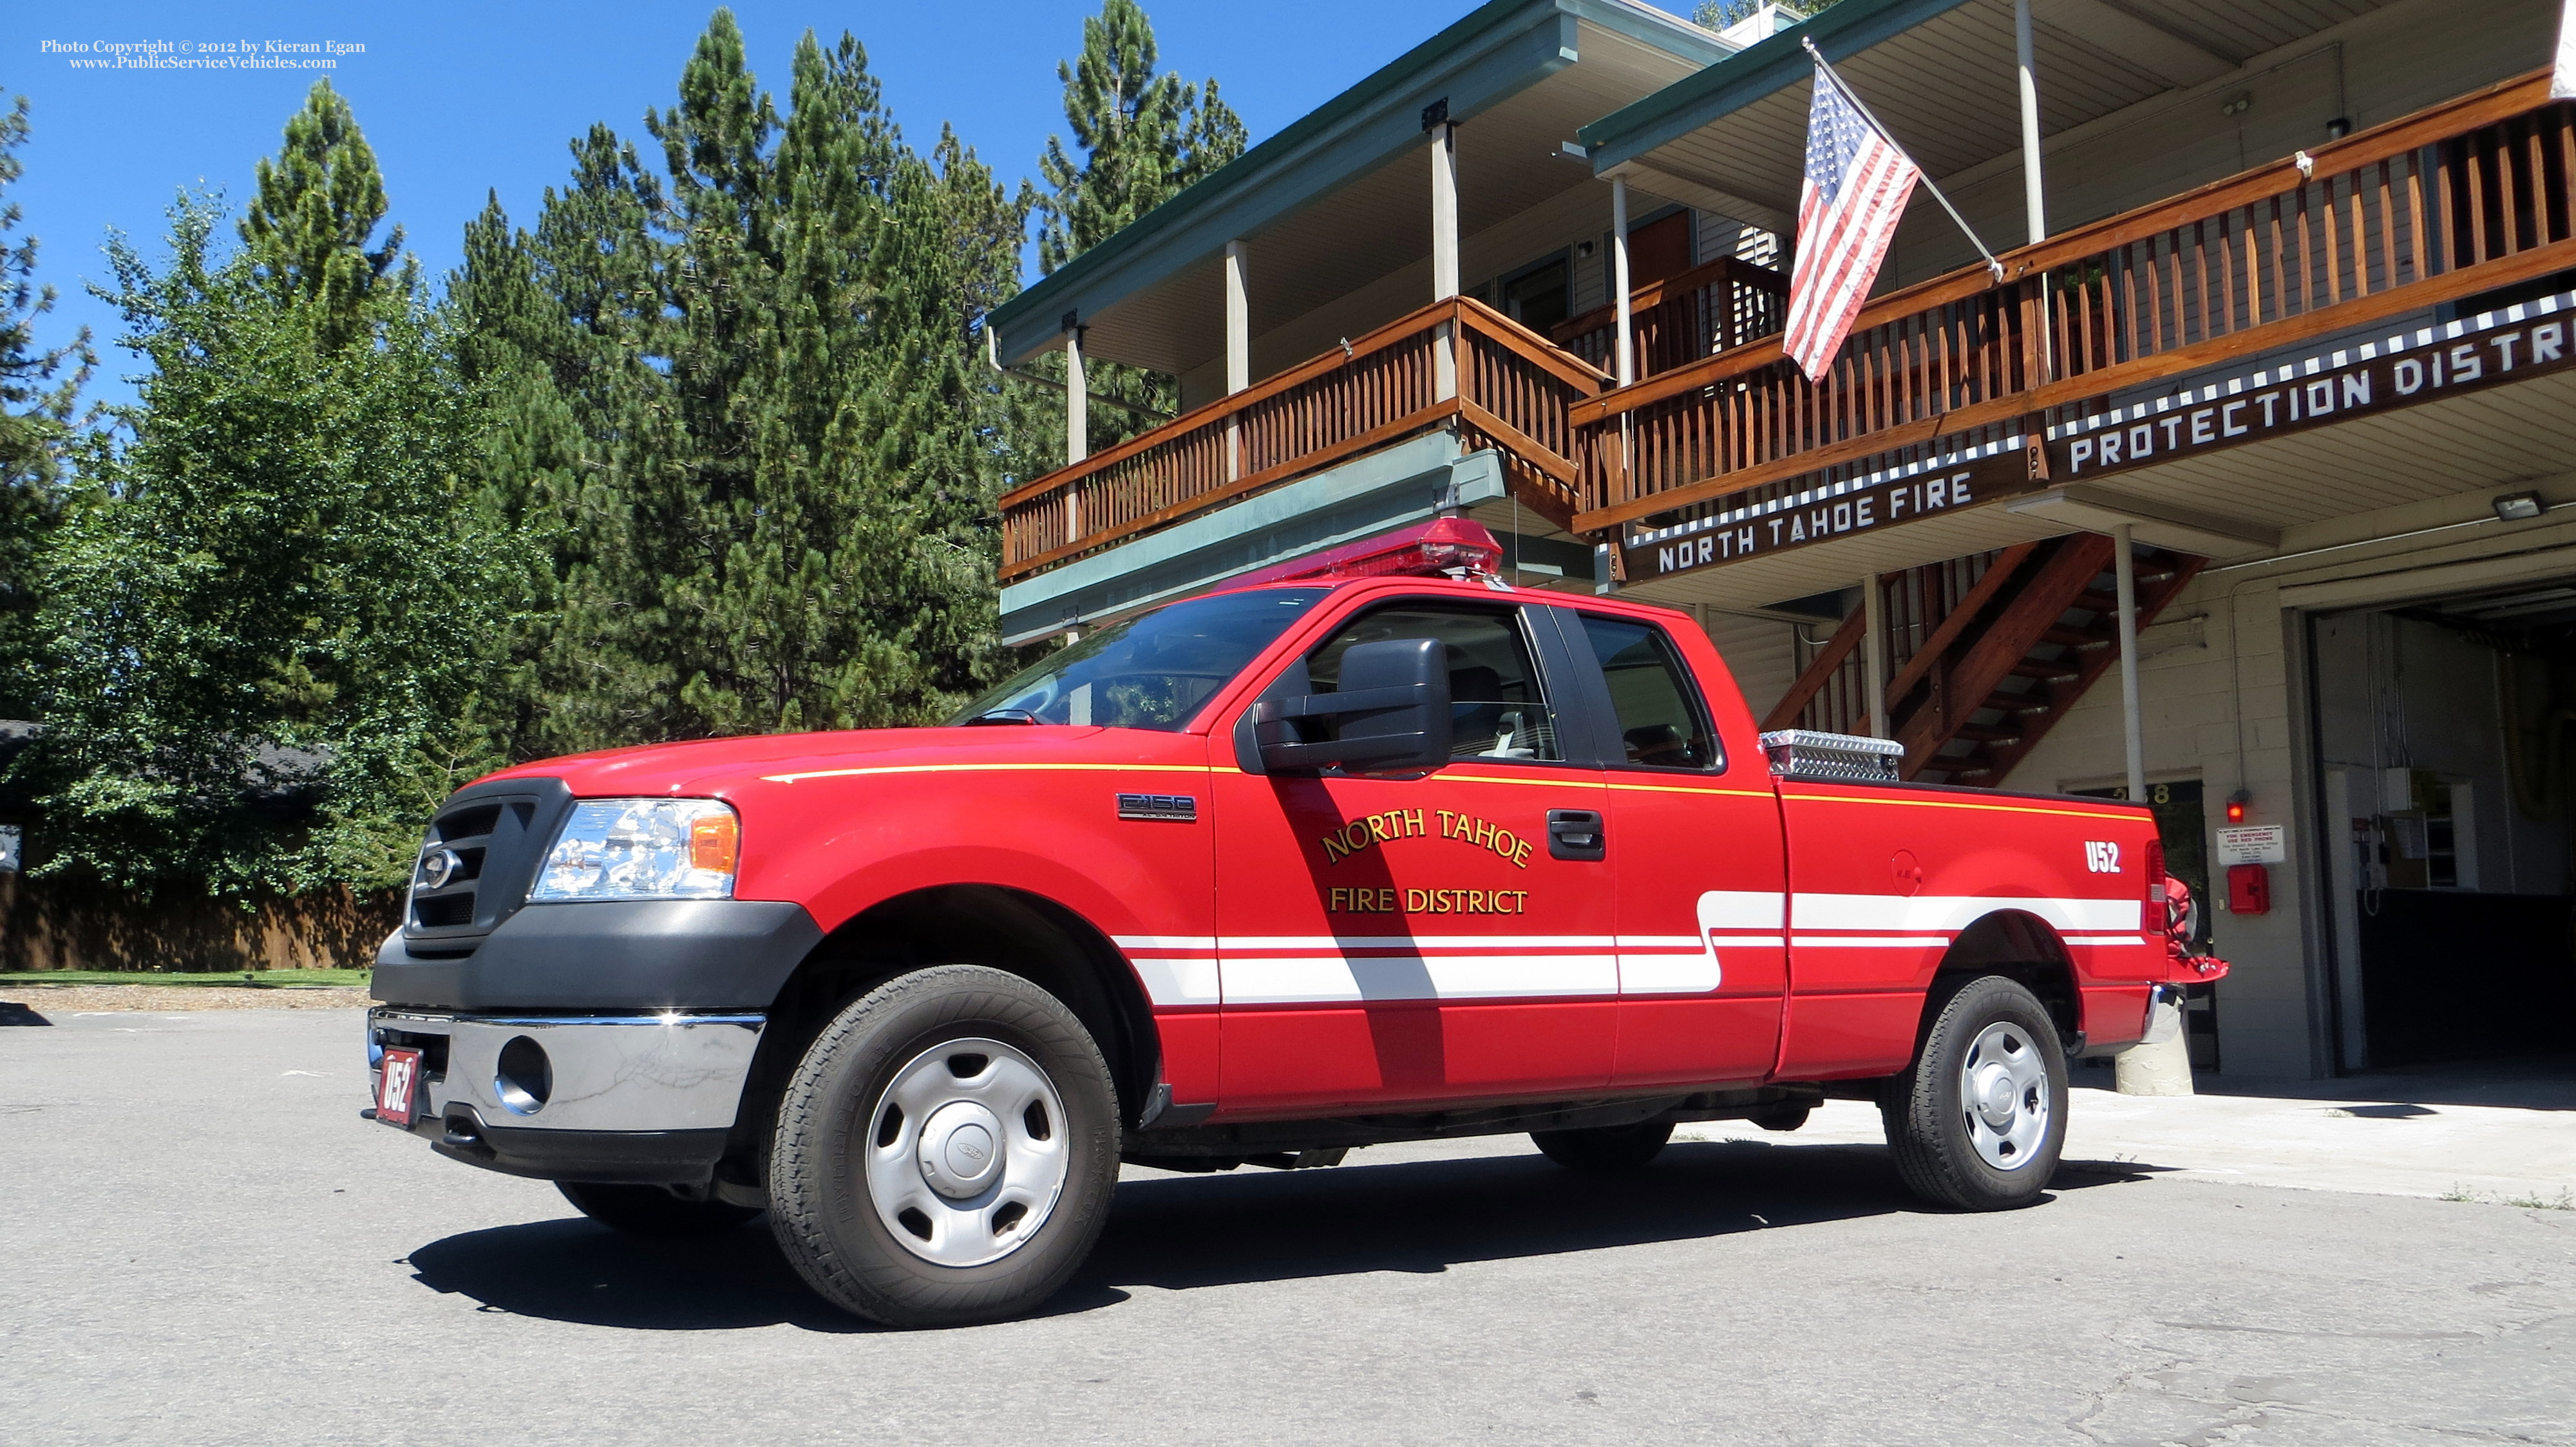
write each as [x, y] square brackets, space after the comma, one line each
[201, 1242]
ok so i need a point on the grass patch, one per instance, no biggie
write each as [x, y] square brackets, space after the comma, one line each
[256, 979]
[2563, 1201]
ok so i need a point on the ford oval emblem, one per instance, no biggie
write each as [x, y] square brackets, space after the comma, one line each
[438, 867]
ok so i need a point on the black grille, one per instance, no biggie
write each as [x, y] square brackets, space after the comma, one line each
[440, 911]
[495, 833]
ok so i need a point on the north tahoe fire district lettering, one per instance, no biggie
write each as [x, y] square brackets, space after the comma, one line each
[1397, 824]
[1885, 503]
[1386, 899]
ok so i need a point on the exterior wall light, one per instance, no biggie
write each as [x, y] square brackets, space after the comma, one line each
[2236, 803]
[2519, 507]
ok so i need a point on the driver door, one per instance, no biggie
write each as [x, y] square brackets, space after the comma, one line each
[1427, 937]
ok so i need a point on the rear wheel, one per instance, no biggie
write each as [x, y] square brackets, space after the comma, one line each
[1977, 1121]
[1604, 1148]
[946, 1150]
[652, 1210]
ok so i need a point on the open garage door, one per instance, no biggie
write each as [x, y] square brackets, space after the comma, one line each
[2446, 741]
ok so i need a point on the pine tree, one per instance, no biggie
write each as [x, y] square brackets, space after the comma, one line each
[772, 508]
[35, 424]
[1144, 136]
[319, 204]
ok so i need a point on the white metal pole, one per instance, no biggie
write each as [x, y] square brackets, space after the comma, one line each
[2032, 192]
[1627, 344]
[1873, 644]
[2125, 568]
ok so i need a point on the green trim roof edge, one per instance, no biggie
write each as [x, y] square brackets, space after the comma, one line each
[1761, 69]
[1456, 42]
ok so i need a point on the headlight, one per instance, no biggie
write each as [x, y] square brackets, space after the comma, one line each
[643, 849]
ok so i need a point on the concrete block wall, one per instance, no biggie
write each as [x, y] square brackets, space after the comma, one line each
[2215, 705]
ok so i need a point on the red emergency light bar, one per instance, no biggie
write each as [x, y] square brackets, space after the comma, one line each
[1442, 545]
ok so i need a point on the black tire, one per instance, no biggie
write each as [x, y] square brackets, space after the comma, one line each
[652, 1210]
[1927, 1113]
[1604, 1149]
[821, 1208]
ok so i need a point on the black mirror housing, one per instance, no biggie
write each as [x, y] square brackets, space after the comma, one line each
[1393, 704]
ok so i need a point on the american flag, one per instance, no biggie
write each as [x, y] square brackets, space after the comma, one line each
[1855, 192]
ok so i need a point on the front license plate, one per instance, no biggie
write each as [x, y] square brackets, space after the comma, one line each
[397, 1086]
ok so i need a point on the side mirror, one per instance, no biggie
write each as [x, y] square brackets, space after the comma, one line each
[1393, 705]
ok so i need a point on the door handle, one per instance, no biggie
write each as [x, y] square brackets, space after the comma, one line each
[1575, 834]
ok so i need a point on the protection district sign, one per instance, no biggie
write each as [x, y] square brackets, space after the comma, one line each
[2140, 427]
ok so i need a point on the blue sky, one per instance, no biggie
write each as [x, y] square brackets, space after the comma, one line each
[459, 97]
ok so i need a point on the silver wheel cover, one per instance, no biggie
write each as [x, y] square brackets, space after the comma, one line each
[966, 1152]
[2003, 1096]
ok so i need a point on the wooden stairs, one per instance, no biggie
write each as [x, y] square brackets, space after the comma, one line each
[1985, 653]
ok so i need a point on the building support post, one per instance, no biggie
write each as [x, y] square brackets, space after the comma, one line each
[1077, 423]
[2163, 1069]
[1444, 241]
[1238, 348]
[1873, 652]
[1624, 322]
[1077, 396]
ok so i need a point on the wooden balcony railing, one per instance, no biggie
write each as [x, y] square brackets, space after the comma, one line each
[1681, 319]
[1456, 363]
[2452, 201]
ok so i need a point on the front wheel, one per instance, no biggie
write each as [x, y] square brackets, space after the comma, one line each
[946, 1150]
[1977, 1121]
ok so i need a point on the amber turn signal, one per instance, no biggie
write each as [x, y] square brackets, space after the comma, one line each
[715, 842]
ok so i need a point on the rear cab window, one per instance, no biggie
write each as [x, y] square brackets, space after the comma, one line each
[1659, 720]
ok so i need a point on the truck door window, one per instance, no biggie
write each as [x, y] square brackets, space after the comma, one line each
[1497, 707]
[1661, 722]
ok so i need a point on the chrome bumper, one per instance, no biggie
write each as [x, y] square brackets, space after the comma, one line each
[660, 1071]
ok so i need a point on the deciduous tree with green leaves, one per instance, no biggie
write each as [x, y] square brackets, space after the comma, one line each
[271, 602]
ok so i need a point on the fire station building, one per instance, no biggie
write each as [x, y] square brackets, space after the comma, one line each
[2244, 474]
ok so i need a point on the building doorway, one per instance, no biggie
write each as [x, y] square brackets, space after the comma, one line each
[2446, 754]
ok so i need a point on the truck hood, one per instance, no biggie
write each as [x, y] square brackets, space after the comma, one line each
[716, 766]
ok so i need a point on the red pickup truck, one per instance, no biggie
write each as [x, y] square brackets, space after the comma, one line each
[1374, 849]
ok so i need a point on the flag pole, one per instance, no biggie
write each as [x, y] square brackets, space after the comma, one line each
[1889, 136]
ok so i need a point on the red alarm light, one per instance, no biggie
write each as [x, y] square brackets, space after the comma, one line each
[1439, 546]
[2236, 803]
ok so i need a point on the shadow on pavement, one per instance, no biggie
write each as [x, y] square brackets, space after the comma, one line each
[579, 1271]
[2527, 1082]
[13, 1013]
[1425, 1216]
[1179, 1232]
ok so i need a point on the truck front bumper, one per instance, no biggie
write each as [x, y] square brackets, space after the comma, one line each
[638, 1097]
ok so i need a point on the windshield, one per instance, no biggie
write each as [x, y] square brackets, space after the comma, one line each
[1151, 672]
